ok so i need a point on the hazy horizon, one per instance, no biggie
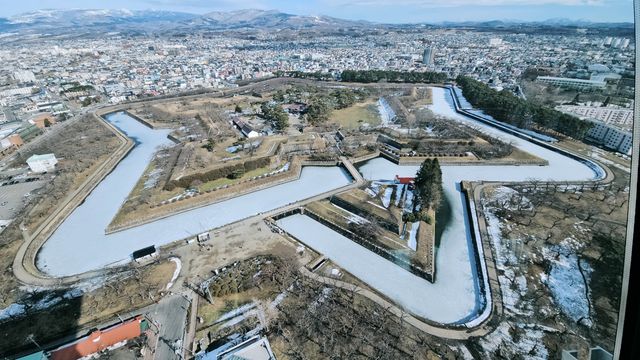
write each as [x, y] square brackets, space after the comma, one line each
[385, 11]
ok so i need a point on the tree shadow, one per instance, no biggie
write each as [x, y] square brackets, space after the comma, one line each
[42, 320]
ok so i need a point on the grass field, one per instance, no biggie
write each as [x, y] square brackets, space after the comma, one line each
[357, 115]
[226, 181]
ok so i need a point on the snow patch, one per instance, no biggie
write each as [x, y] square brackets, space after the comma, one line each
[176, 272]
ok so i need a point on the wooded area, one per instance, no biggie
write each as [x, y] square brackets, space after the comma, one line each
[505, 106]
[369, 76]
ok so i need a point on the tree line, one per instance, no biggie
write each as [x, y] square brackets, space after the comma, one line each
[232, 172]
[428, 185]
[506, 107]
[307, 75]
[371, 76]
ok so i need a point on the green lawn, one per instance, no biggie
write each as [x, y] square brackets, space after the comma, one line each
[355, 116]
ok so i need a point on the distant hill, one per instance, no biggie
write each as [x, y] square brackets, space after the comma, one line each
[87, 19]
[155, 21]
[269, 19]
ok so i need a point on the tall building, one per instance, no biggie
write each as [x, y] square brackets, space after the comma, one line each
[625, 43]
[427, 56]
[616, 42]
[609, 115]
[611, 137]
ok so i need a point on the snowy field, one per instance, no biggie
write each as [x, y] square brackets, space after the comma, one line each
[80, 244]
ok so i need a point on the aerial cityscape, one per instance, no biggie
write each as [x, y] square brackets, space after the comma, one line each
[206, 181]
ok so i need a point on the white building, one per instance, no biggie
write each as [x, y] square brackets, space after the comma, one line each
[42, 163]
[608, 115]
[580, 84]
[24, 76]
[495, 42]
[246, 129]
[611, 137]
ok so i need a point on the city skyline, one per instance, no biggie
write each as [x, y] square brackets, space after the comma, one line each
[383, 11]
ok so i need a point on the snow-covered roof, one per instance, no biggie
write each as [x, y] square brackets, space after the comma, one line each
[36, 157]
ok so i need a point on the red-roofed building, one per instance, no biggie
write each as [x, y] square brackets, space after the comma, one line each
[100, 340]
[405, 180]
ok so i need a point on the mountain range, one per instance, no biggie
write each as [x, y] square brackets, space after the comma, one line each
[60, 21]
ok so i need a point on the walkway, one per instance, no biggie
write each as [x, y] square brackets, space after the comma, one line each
[443, 332]
[352, 170]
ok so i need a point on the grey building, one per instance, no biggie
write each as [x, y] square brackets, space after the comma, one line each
[427, 56]
[611, 137]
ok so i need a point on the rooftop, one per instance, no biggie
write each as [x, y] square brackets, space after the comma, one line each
[36, 157]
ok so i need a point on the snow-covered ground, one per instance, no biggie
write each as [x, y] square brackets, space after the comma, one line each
[235, 312]
[386, 196]
[176, 272]
[386, 112]
[412, 243]
[566, 282]
[529, 343]
[49, 299]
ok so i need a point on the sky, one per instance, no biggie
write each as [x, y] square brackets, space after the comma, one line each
[387, 11]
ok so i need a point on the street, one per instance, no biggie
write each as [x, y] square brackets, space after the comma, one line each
[169, 317]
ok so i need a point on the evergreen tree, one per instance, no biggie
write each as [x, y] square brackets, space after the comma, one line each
[428, 185]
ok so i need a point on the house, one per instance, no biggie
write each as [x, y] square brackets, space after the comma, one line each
[405, 180]
[42, 163]
[256, 348]
[295, 108]
[203, 237]
[101, 339]
[145, 254]
[245, 128]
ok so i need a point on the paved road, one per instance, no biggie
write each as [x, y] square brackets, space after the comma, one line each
[170, 317]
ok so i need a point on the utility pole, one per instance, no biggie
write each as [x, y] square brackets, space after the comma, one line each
[31, 338]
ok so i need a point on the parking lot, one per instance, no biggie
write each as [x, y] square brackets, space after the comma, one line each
[13, 196]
